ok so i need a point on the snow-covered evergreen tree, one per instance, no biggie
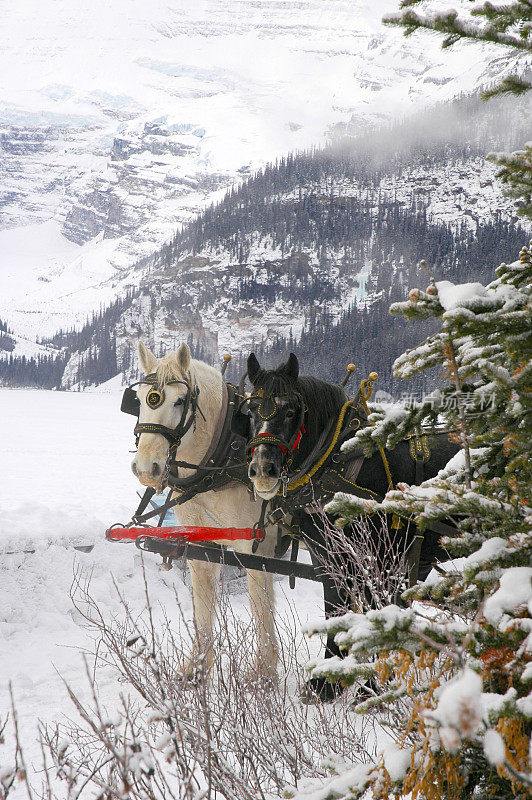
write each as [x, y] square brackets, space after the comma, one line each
[455, 664]
[508, 24]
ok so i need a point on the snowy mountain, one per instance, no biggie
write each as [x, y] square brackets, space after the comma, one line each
[314, 249]
[120, 122]
[310, 245]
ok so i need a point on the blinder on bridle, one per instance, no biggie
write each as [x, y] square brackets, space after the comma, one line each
[154, 399]
[130, 402]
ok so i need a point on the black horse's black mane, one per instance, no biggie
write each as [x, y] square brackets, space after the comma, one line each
[323, 400]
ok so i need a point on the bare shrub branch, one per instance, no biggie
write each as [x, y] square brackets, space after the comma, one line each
[366, 560]
[230, 733]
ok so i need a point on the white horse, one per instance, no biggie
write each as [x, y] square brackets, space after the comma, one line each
[231, 507]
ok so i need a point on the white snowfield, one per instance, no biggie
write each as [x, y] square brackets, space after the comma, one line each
[65, 477]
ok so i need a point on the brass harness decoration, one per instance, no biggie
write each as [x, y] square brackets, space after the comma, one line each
[419, 446]
[295, 484]
[335, 478]
[155, 398]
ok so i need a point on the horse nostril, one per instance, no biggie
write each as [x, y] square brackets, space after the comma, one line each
[269, 469]
[155, 470]
[252, 471]
[134, 468]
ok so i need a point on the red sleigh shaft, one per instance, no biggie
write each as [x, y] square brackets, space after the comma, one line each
[188, 533]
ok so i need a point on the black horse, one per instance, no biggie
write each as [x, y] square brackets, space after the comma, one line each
[285, 417]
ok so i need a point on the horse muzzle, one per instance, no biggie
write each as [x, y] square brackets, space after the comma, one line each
[265, 474]
[266, 489]
[148, 474]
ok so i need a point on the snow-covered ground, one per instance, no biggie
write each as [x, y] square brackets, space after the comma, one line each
[65, 476]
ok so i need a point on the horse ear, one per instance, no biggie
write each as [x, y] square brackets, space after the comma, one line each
[183, 357]
[253, 367]
[147, 360]
[292, 366]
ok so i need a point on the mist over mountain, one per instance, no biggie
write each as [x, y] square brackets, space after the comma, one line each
[308, 253]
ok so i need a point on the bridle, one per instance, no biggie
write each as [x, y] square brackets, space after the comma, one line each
[286, 447]
[155, 399]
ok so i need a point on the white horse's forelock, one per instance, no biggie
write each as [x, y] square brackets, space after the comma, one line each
[169, 368]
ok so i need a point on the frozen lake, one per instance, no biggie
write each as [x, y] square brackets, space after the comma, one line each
[64, 457]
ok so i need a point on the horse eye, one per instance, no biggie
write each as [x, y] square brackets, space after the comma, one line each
[179, 402]
[290, 413]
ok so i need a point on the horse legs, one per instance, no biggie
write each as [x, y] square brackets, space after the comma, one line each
[262, 602]
[204, 578]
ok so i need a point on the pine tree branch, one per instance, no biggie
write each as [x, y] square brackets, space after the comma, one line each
[454, 28]
[455, 377]
[512, 84]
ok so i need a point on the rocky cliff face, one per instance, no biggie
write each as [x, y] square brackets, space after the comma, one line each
[361, 239]
[223, 305]
[37, 164]
[151, 176]
[118, 127]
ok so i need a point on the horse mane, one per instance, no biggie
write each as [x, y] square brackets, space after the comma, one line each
[323, 400]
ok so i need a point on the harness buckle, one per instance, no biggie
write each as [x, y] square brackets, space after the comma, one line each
[284, 479]
[275, 516]
[258, 536]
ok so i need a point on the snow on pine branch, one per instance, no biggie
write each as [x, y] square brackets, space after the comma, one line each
[452, 672]
[504, 29]
[369, 634]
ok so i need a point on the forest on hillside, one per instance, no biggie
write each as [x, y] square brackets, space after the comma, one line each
[324, 215]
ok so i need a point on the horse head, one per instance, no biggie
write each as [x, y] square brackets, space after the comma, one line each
[170, 416]
[276, 411]
[287, 413]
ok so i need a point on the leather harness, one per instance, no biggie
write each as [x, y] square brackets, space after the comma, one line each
[327, 469]
[324, 472]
